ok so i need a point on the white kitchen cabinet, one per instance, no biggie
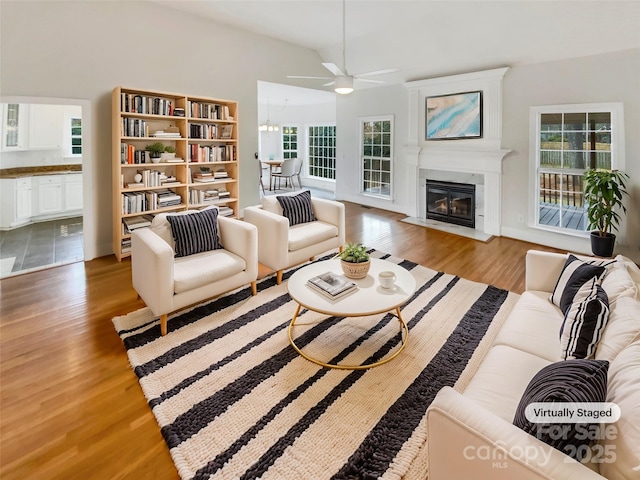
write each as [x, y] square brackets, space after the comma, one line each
[15, 209]
[14, 126]
[49, 194]
[23, 198]
[45, 126]
[73, 192]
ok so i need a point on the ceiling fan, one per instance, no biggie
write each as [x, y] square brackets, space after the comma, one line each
[342, 80]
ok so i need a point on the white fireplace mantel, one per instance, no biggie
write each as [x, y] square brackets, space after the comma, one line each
[482, 156]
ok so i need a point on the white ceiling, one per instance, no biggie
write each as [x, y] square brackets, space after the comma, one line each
[425, 38]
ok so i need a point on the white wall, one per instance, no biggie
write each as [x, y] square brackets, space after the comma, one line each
[612, 77]
[71, 49]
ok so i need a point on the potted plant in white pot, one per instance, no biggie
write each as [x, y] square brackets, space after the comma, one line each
[155, 151]
[604, 191]
[169, 153]
[355, 260]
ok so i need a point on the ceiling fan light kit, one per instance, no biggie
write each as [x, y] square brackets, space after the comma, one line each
[344, 85]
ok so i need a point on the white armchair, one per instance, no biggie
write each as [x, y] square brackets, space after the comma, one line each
[167, 283]
[281, 246]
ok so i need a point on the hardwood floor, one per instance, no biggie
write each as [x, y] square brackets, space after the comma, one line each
[72, 408]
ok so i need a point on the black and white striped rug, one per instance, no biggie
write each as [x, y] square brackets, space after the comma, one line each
[235, 401]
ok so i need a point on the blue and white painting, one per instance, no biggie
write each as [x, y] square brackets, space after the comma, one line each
[454, 116]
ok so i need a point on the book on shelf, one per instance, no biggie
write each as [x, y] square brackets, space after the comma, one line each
[332, 285]
[135, 184]
[225, 211]
[139, 221]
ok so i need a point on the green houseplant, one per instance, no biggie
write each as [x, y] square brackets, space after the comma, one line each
[604, 191]
[169, 153]
[355, 260]
[155, 151]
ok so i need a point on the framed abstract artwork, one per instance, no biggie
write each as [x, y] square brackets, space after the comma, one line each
[453, 117]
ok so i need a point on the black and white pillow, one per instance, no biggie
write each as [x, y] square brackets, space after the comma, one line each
[584, 322]
[575, 273]
[571, 381]
[297, 208]
[195, 232]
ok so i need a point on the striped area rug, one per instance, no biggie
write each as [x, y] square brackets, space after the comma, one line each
[235, 401]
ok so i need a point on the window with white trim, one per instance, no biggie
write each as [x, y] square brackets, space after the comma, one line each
[289, 142]
[322, 151]
[376, 155]
[76, 136]
[568, 140]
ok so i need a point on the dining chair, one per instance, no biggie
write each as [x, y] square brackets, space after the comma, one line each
[287, 171]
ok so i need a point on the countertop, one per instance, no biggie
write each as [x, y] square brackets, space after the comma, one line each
[18, 172]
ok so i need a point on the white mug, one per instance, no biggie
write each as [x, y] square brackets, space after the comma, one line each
[387, 279]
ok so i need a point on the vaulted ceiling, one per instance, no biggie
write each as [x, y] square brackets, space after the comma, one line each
[425, 38]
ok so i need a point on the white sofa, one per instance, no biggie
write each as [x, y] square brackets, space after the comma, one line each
[167, 283]
[471, 435]
[282, 246]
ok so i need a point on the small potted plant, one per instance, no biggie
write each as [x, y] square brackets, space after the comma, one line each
[169, 153]
[355, 260]
[604, 191]
[155, 151]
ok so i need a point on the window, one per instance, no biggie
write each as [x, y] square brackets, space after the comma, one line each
[322, 151]
[289, 142]
[569, 140]
[376, 155]
[76, 136]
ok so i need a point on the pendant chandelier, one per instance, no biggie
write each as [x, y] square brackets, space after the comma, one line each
[268, 126]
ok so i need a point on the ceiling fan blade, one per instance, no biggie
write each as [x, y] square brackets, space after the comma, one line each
[302, 76]
[376, 72]
[328, 84]
[333, 68]
[368, 80]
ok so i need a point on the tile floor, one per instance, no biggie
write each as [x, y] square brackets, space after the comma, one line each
[39, 245]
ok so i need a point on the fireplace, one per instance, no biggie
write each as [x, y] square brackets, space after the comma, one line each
[452, 202]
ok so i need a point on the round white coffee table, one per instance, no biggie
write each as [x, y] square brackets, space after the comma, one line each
[369, 299]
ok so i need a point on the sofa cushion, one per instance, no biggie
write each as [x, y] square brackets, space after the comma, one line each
[533, 326]
[574, 274]
[306, 234]
[195, 233]
[579, 381]
[204, 268]
[623, 326]
[499, 389]
[617, 282]
[584, 322]
[297, 208]
[161, 227]
[270, 202]
[623, 437]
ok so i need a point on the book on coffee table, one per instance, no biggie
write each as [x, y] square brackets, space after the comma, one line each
[332, 285]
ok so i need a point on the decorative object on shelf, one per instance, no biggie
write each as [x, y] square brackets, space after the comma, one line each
[137, 177]
[453, 117]
[355, 260]
[604, 191]
[155, 151]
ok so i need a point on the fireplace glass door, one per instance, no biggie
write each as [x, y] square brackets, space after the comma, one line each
[451, 202]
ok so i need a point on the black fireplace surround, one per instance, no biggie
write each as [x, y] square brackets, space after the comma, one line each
[452, 202]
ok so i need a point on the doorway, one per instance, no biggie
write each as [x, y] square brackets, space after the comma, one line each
[46, 178]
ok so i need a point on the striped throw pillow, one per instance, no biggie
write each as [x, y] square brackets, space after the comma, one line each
[575, 273]
[577, 381]
[584, 322]
[297, 208]
[196, 232]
